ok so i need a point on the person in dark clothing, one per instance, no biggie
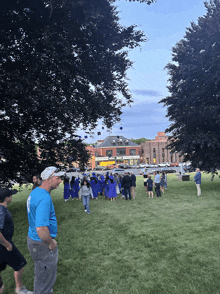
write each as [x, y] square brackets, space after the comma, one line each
[36, 181]
[126, 185]
[9, 253]
[150, 187]
[133, 185]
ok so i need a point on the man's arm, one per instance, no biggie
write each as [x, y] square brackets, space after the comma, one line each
[5, 243]
[45, 236]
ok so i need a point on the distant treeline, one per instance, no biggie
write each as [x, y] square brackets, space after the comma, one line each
[139, 141]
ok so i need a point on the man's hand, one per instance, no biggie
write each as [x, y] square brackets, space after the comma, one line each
[53, 244]
[9, 247]
[5, 243]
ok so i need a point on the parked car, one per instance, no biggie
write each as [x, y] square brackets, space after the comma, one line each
[142, 165]
[168, 170]
[174, 164]
[164, 164]
[118, 170]
[152, 165]
[123, 166]
[133, 166]
[98, 167]
[111, 166]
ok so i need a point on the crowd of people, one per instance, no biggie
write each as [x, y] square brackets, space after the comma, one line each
[111, 185]
[42, 220]
[108, 185]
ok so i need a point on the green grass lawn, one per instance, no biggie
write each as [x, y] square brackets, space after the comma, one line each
[160, 245]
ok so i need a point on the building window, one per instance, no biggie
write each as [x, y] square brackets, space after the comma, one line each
[120, 142]
[121, 151]
[132, 151]
[109, 153]
[154, 153]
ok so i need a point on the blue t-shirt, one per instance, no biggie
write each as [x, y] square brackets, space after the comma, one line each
[157, 179]
[41, 213]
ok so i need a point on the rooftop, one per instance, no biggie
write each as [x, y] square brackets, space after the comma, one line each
[116, 141]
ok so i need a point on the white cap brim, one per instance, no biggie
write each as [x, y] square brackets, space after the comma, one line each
[59, 174]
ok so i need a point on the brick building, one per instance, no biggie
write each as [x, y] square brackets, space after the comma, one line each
[115, 150]
[155, 151]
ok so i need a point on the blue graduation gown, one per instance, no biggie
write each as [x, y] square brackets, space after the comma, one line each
[66, 193]
[112, 190]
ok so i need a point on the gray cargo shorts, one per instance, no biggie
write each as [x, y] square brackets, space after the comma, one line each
[45, 266]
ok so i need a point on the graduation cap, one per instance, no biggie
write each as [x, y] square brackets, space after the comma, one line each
[86, 137]
[103, 128]
[80, 137]
[99, 133]
[121, 128]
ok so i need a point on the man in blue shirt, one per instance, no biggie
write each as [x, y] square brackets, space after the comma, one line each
[157, 183]
[197, 179]
[43, 230]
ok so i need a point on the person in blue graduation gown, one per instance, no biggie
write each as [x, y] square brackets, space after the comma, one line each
[99, 185]
[106, 186]
[103, 184]
[76, 188]
[93, 183]
[112, 188]
[66, 193]
[96, 186]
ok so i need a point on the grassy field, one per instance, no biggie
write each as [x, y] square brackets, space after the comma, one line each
[161, 245]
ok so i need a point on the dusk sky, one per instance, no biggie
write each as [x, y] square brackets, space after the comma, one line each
[164, 23]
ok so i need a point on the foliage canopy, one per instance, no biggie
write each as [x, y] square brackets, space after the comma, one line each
[193, 106]
[139, 141]
[63, 64]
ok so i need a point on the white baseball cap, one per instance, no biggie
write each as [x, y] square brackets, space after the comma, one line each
[50, 172]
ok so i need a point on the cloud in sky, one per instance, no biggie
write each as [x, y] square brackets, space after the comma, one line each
[142, 120]
[139, 120]
[151, 93]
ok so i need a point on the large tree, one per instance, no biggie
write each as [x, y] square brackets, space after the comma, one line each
[63, 66]
[193, 105]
